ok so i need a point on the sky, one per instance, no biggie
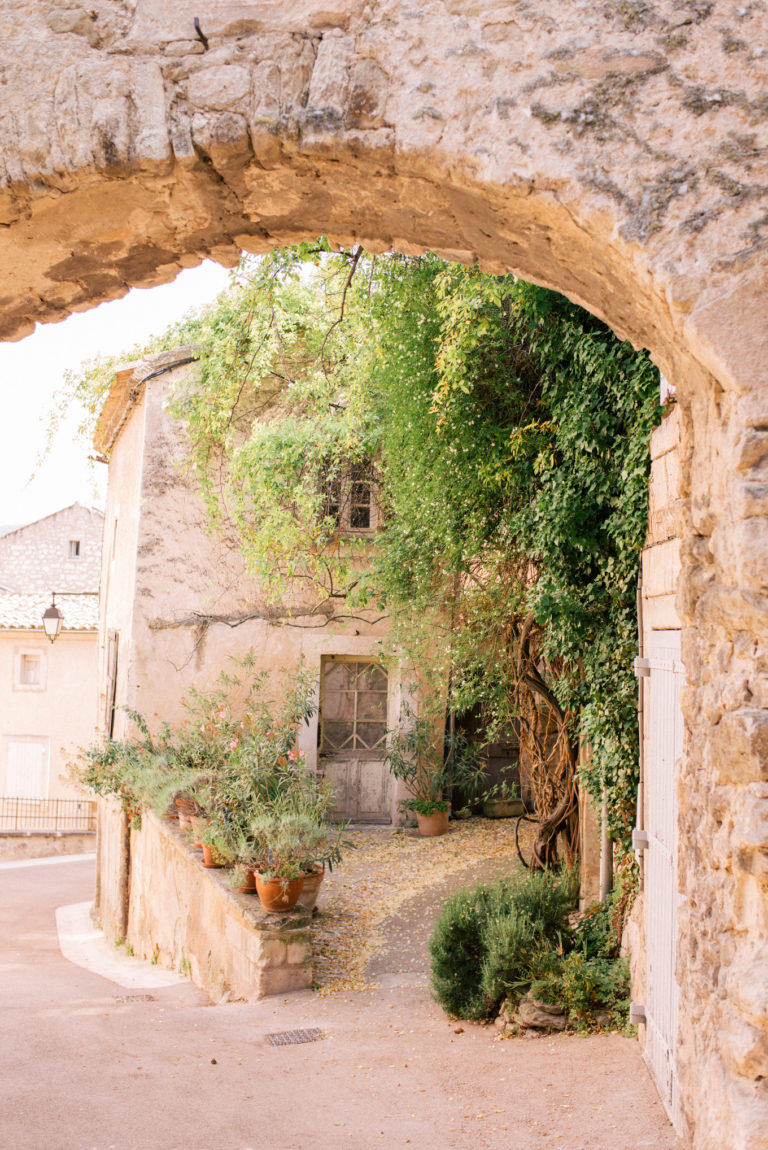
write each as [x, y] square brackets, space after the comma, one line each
[33, 369]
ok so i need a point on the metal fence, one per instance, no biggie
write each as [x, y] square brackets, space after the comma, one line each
[47, 815]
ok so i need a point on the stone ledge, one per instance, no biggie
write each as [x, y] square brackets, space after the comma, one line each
[45, 844]
[192, 921]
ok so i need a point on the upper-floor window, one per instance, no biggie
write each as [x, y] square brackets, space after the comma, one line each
[350, 498]
[74, 548]
[29, 671]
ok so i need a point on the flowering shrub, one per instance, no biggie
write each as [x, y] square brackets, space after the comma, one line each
[235, 754]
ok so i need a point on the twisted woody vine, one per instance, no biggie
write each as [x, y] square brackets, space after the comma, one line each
[505, 433]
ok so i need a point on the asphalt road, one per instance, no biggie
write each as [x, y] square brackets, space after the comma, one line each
[88, 1065]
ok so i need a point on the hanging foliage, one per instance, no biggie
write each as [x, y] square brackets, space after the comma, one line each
[510, 432]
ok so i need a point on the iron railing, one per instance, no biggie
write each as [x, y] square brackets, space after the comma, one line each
[47, 815]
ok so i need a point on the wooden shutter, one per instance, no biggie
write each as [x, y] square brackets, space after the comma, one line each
[111, 684]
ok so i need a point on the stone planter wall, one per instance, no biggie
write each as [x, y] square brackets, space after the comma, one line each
[187, 918]
[39, 844]
[616, 153]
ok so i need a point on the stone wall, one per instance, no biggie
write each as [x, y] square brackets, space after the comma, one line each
[616, 152]
[37, 557]
[186, 918]
[39, 845]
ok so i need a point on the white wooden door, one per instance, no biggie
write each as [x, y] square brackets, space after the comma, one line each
[663, 750]
[26, 772]
[353, 726]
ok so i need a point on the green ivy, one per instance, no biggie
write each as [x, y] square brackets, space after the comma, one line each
[511, 432]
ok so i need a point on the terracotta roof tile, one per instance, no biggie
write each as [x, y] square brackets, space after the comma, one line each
[25, 612]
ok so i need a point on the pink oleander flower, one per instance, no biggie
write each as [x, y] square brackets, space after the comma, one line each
[234, 744]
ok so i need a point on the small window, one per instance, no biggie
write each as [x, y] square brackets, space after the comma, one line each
[350, 499]
[74, 548]
[360, 498]
[29, 671]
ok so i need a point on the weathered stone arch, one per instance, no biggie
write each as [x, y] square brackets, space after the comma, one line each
[616, 152]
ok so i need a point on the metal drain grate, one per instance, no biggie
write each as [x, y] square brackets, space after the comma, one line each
[123, 998]
[291, 1037]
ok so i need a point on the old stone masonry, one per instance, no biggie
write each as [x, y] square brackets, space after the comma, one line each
[613, 151]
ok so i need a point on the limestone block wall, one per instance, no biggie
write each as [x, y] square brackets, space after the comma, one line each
[615, 152]
[37, 557]
[186, 918]
[29, 845]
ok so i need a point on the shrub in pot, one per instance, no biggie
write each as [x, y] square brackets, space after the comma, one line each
[418, 756]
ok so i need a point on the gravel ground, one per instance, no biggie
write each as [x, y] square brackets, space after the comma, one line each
[377, 910]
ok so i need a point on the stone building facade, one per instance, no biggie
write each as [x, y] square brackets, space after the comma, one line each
[61, 552]
[177, 607]
[177, 601]
[48, 692]
[616, 153]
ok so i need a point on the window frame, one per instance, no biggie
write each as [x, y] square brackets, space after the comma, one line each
[25, 652]
[338, 499]
[355, 751]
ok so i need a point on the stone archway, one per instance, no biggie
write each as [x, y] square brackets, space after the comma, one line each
[614, 152]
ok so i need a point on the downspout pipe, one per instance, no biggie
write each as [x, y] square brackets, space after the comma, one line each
[639, 835]
[606, 853]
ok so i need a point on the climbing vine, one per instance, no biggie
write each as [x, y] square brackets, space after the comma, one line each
[510, 433]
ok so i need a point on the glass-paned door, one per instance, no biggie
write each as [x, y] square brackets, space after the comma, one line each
[352, 733]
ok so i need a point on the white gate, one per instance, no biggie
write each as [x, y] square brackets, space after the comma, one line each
[26, 772]
[663, 749]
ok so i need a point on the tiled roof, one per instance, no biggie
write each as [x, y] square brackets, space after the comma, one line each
[25, 612]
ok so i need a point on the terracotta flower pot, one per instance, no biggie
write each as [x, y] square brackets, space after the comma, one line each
[249, 886]
[187, 806]
[211, 857]
[278, 893]
[311, 888]
[197, 823]
[434, 824]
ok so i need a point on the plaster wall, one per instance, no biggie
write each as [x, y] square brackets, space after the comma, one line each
[62, 714]
[118, 566]
[181, 596]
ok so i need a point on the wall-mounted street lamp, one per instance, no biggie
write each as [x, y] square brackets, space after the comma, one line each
[53, 617]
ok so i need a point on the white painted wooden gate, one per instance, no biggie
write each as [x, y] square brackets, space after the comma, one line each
[26, 773]
[663, 749]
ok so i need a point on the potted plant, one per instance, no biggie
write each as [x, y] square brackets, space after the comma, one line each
[324, 844]
[415, 757]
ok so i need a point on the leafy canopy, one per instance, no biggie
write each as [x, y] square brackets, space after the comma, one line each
[510, 431]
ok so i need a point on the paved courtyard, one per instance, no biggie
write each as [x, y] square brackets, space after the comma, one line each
[87, 1064]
